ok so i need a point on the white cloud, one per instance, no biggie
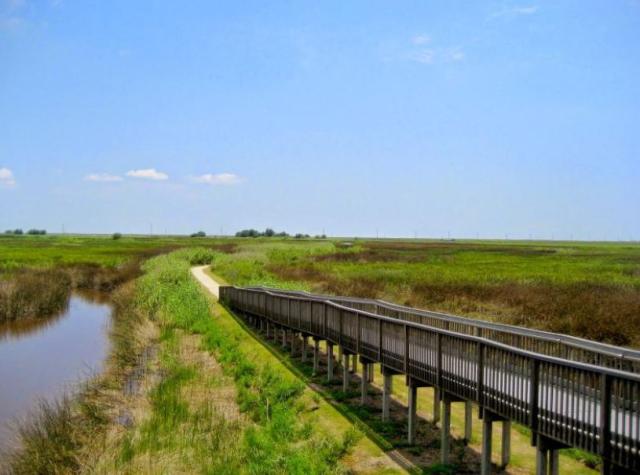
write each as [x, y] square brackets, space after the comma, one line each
[148, 174]
[6, 177]
[102, 177]
[455, 54]
[515, 11]
[530, 10]
[425, 56]
[218, 179]
[420, 39]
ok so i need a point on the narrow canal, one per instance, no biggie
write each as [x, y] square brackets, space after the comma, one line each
[41, 359]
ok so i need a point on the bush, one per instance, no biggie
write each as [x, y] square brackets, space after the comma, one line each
[248, 233]
[253, 233]
[199, 234]
[33, 232]
[116, 236]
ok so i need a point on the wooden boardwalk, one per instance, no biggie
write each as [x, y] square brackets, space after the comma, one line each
[569, 392]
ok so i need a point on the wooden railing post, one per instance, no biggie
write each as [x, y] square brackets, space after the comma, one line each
[324, 321]
[358, 332]
[480, 374]
[533, 397]
[406, 350]
[379, 340]
[439, 360]
[604, 442]
[340, 336]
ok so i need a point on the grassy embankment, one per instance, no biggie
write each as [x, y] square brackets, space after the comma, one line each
[187, 423]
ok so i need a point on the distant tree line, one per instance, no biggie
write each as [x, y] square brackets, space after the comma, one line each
[254, 233]
[199, 234]
[20, 232]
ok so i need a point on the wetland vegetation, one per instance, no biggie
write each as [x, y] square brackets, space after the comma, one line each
[184, 391]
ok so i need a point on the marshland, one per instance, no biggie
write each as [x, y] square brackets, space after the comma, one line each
[177, 386]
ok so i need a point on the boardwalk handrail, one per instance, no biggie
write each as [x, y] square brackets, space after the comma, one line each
[538, 341]
[576, 404]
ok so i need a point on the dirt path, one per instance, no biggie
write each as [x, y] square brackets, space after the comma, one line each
[206, 280]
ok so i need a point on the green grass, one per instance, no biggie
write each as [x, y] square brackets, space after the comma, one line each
[51, 250]
[585, 289]
[278, 439]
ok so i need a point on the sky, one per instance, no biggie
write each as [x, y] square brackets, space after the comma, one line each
[351, 118]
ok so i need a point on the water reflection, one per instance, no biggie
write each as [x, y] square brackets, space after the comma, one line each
[42, 358]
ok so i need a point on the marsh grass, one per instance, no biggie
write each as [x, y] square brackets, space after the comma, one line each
[34, 294]
[276, 439]
[591, 290]
[64, 435]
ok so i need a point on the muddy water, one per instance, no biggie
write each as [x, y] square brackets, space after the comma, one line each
[44, 358]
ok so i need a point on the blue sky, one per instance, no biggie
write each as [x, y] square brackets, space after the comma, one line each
[402, 118]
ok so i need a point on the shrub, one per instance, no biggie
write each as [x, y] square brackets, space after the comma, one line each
[199, 234]
[34, 232]
[116, 236]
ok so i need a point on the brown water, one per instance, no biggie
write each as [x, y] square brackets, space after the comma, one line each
[44, 358]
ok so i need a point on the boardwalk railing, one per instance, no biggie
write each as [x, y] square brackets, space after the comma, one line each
[565, 403]
[538, 341]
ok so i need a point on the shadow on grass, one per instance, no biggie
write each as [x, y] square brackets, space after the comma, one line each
[390, 436]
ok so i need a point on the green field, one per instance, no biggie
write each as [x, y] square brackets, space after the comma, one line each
[585, 289]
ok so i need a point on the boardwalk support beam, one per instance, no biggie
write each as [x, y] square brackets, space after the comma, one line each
[387, 387]
[316, 356]
[345, 371]
[468, 421]
[364, 381]
[329, 361]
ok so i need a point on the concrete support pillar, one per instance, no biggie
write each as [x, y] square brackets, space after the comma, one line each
[329, 362]
[345, 372]
[542, 460]
[284, 338]
[436, 405]
[370, 373]
[487, 432]
[364, 383]
[387, 386]
[316, 356]
[468, 421]
[412, 414]
[554, 462]
[340, 354]
[268, 329]
[548, 460]
[303, 349]
[445, 430]
[506, 443]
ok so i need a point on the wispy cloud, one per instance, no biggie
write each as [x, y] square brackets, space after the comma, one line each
[218, 179]
[521, 10]
[424, 56]
[6, 177]
[454, 54]
[148, 174]
[102, 177]
[423, 50]
[421, 39]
